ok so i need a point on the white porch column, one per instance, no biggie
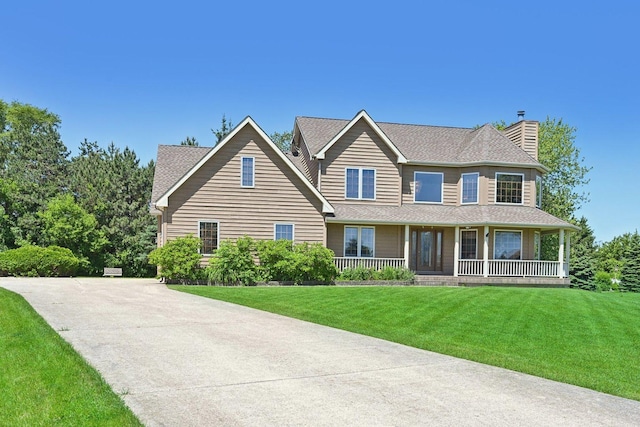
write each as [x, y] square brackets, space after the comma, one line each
[456, 251]
[485, 252]
[561, 254]
[406, 246]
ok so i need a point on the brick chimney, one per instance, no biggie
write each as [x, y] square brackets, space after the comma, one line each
[524, 134]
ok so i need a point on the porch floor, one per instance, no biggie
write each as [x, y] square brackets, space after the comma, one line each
[522, 282]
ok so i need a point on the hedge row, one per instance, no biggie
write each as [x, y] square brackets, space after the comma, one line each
[35, 261]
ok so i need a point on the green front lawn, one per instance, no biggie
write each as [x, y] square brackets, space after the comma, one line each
[577, 337]
[43, 381]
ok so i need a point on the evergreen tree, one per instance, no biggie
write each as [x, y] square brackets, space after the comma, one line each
[225, 129]
[582, 265]
[630, 280]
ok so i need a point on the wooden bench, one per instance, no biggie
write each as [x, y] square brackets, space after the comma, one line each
[112, 272]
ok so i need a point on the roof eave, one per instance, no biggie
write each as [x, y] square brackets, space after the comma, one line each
[538, 166]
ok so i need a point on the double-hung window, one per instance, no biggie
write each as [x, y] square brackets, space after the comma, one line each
[208, 232]
[509, 188]
[360, 183]
[247, 178]
[283, 232]
[470, 187]
[507, 244]
[359, 241]
[538, 191]
[468, 244]
[427, 187]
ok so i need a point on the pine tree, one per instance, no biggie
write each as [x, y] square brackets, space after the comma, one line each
[582, 265]
[630, 280]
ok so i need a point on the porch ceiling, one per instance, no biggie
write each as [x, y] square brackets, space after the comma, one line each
[442, 215]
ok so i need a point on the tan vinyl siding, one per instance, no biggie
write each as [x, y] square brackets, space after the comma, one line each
[389, 239]
[214, 193]
[525, 135]
[451, 178]
[361, 147]
[311, 165]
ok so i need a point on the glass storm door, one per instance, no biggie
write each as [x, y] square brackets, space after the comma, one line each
[426, 250]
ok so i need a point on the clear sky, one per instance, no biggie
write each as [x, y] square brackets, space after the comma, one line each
[144, 73]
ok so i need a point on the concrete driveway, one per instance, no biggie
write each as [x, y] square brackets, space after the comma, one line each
[182, 360]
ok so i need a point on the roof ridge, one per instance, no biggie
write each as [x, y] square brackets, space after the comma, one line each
[389, 123]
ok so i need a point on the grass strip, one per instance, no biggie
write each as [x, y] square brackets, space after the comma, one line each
[44, 381]
[577, 337]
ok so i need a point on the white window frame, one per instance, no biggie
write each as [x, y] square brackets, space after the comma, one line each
[537, 245]
[253, 172]
[212, 221]
[293, 229]
[495, 232]
[496, 188]
[474, 230]
[359, 254]
[415, 174]
[360, 183]
[538, 191]
[477, 174]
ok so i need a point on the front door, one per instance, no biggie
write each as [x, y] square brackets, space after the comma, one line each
[426, 250]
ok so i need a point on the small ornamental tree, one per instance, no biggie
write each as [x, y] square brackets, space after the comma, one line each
[178, 259]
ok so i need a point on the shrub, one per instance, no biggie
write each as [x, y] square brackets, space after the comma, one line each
[303, 262]
[396, 273]
[35, 261]
[602, 281]
[233, 263]
[361, 273]
[179, 259]
[358, 273]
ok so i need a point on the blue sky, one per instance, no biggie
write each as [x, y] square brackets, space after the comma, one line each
[147, 73]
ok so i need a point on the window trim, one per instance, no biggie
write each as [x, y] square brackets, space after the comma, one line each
[360, 169]
[293, 230]
[474, 230]
[539, 191]
[359, 248]
[537, 245]
[494, 243]
[415, 173]
[212, 221]
[253, 172]
[495, 190]
[462, 202]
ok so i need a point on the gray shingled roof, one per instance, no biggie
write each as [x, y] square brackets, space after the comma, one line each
[172, 163]
[428, 144]
[471, 215]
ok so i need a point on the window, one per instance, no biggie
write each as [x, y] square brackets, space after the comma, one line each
[427, 187]
[469, 244]
[283, 231]
[507, 244]
[208, 232]
[470, 187]
[509, 188]
[360, 183]
[538, 191]
[359, 241]
[248, 172]
[536, 245]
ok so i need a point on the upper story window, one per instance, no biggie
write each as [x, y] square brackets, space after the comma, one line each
[509, 188]
[283, 232]
[247, 173]
[360, 183]
[470, 187]
[427, 187]
[538, 191]
[208, 233]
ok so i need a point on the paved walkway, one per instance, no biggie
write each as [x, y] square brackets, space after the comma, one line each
[182, 360]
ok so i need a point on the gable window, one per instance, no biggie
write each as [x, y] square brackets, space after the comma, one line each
[470, 187]
[507, 244]
[469, 244]
[208, 233]
[360, 183]
[283, 232]
[538, 191]
[427, 187]
[248, 172]
[359, 241]
[509, 188]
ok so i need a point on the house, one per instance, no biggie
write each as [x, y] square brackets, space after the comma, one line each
[454, 203]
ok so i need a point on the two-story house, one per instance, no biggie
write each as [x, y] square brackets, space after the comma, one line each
[461, 203]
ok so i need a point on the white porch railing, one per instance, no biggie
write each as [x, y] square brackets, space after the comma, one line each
[511, 268]
[375, 263]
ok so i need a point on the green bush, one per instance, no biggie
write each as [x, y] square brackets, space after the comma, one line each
[602, 281]
[361, 273]
[35, 261]
[284, 261]
[233, 263]
[179, 260]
